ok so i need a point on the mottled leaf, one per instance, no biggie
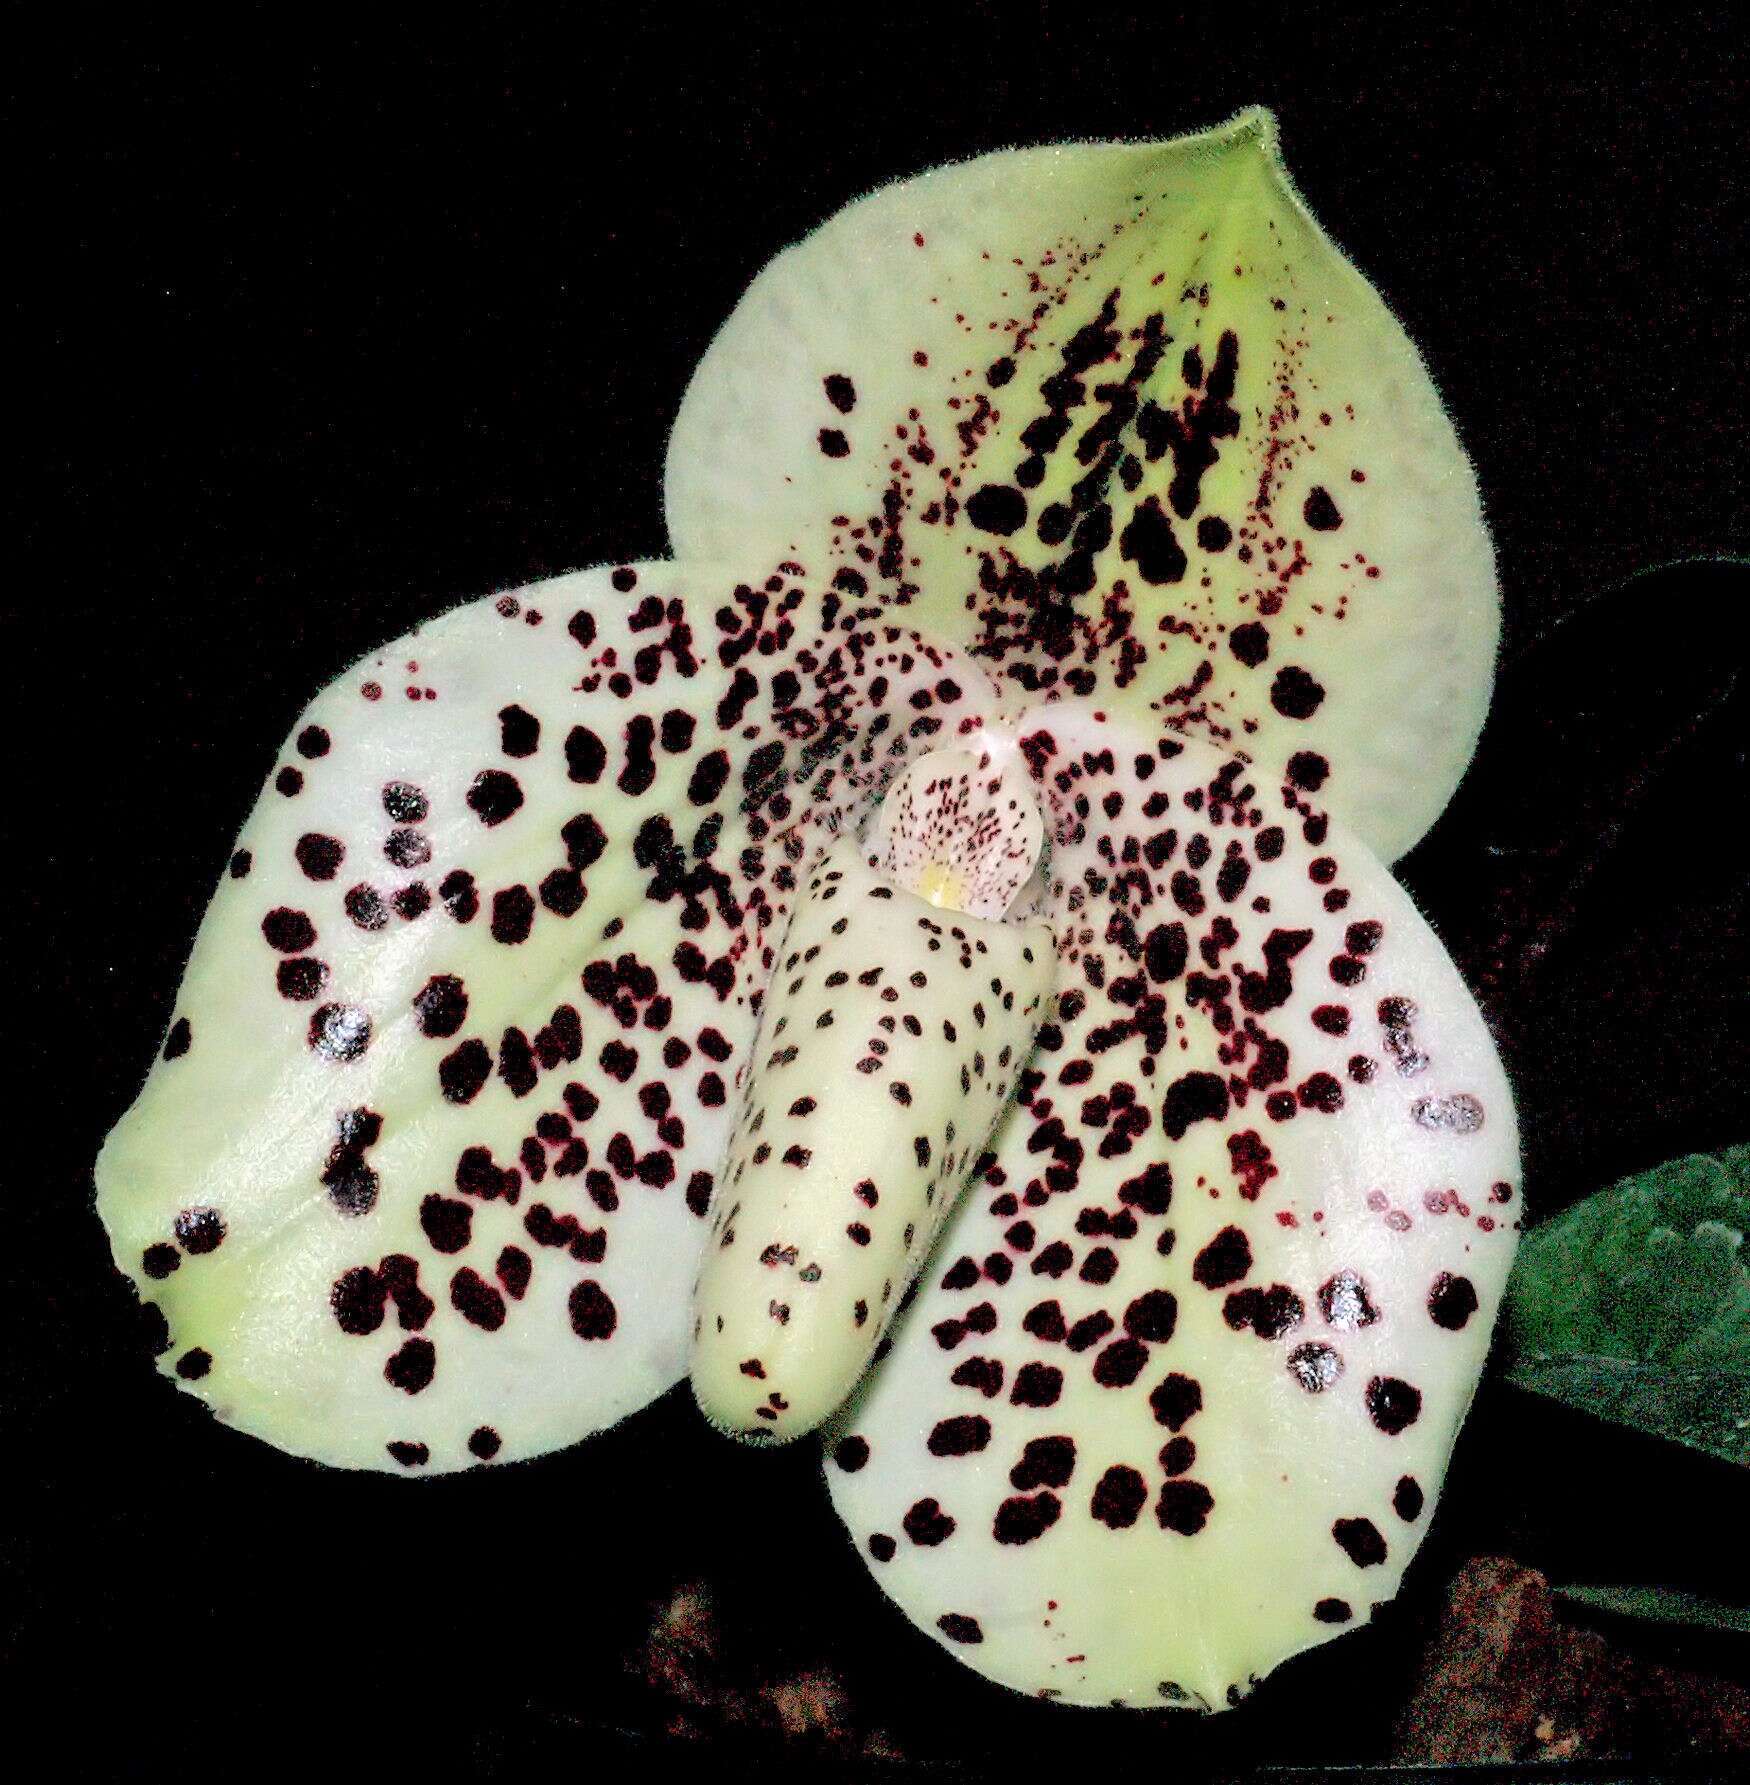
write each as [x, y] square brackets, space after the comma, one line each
[1635, 1304]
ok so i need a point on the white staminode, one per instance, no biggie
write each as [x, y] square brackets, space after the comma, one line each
[960, 830]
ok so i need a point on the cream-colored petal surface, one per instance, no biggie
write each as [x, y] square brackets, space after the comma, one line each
[1121, 418]
[1176, 1395]
[420, 1178]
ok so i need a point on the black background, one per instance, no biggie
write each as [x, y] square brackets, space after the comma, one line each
[319, 333]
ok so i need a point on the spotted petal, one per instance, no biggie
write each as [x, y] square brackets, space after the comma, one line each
[1176, 1395]
[1121, 417]
[420, 1177]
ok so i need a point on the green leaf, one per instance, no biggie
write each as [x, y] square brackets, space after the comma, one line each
[1661, 1605]
[1634, 1305]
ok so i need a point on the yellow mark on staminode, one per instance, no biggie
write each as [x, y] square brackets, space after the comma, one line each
[943, 885]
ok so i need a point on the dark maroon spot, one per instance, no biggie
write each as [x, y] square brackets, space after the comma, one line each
[474, 1298]
[178, 1041]
[513, 915]
[840, 392]
[1175, 1399]
[516, 1062]
[289, 782]
[1333, 1611]
[319, 856]
[834, 444]
[1214, 534]
[1149, 543]
[1250, 643]
[1184, 1506]
[1408, 1499]
[709, 775]
[462, 1072]
[358, 1299]
[851, 1454]
[1462, 1114]
[484, 1443]
[441, 1005]
[519, 731]
[1393, 1404]
[1452, 1301]
[448, 1224]
[1150, 1193]
[199, 1230]
[408, 1455]
[1360, 1541]
[1177, 1456]
[1100, 1266]
[313, 742]
[1345, 1303]
[1321, 1092]
[957, 1627]
[1119, 1497]
[1152, 1316]
[407, 848]
[593, 1314]
[1315, 1366]
[959, 1436]
[413, 1366]
[1226, 1260]
[1045, 1462]
[365, 906]
[1268, 1312]
[160, 1260]
[1120, 1363]
[405, 803]
[584, 841]
[562, 892]
[927, 1524]
[291, 932]
[241, 863]
[585, 755]
[997, 508]
[1196, 1097]
[340, 1031]
[882, 1547]
[1309, 771]
[1037, 1385]
[193, 1365]
[514, 1269]
[1294, 694]
[494, 796]
[1025, 1517]
[677, 731]
[1320, 512]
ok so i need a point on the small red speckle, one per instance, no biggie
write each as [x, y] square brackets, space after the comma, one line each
[917, 241]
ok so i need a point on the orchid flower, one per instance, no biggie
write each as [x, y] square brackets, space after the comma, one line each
[924, 962]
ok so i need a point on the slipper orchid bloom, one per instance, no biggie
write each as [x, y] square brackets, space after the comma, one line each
[923, 962]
